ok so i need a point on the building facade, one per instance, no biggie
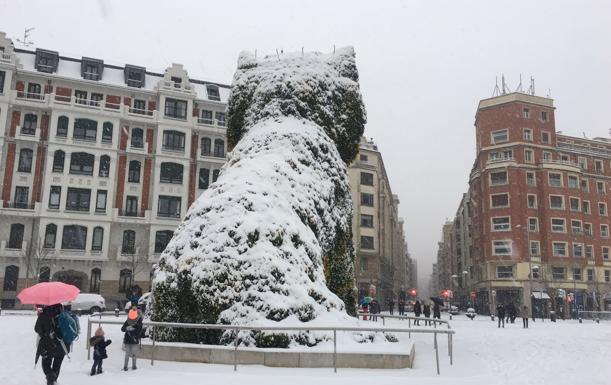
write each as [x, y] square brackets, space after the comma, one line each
[534, 225]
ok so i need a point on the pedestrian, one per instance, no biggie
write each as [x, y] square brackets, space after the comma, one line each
[99, 344]
[513, 312]
[525, 314]
[131, 340]
[50, 344]
[436, 311]
[374, 308]
[500, 313]
[426, 309]
[401, 307]
[417, 312]
[391, 306]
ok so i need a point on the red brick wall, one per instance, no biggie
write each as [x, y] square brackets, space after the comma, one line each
[127, 101]
[8, 173]
[120, 181]
[38, 171]
[20, 87]
[152, 105]
[146, 186]
[193, 169]
[150, 139]
[113, 101]
[63, 94]
[123, 136]
[14, 123]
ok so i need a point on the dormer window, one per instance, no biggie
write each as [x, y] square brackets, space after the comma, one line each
[46, 61]
[213, 92]
[91, 69]
[134, 76]
[177, 81]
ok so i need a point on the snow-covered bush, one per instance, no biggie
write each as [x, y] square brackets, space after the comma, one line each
[270, 242]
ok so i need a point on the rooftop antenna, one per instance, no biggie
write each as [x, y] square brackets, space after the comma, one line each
[497, 90]
[531, 89]
[519, 88]
[26, 34]
[549, 92]
[504, 85]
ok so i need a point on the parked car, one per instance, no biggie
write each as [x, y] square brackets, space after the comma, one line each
[87, 303]
[470, 313]
[143, 302]
[454, 310]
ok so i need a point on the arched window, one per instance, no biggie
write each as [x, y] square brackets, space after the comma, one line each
[171, 173]
[30, 121]
[85, 129]
[219, 148]
[206, 145]
[62, 126]
[125, 280]
[204, 178]
[94, 281]
[129, 242]
[173, 140]
[11, 275]
[58, 161]
[98, 238]
[44, 274]
[134, 172]
[50, 236]
[107, 132]
[74, 237]
[81, 163]
[162, 238]
[104, 166]
[137, 138]
[15, 240]
[25, 160]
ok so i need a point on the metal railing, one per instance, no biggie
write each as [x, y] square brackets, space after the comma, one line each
[153, 325]
[594, 315]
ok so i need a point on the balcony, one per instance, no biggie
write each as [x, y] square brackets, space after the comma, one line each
[500, 160]
[567, 165]
[170, 85]
[89, 104]
[30, 99]
[7, 58]
[585, 149]
[212, 122]
[130, 213]
[19, 205]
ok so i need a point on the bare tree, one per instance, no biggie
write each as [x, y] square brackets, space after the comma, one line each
[36, 257]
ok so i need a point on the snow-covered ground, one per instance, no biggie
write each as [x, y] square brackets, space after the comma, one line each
[559, 353]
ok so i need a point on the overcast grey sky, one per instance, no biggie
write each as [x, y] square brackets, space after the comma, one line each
[423, 65]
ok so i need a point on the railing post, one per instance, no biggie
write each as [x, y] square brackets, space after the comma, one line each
[235, 352]
[436, 353]
[335, 350]
[383, 321]
[153, 347]
[409, 326]
[87, 340]
[451, 348]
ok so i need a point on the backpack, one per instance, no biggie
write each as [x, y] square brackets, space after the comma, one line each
[68, 327]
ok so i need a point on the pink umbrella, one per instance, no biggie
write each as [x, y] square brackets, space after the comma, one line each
[48, 293]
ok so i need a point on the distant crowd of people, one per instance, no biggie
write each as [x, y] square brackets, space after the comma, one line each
[508, 313]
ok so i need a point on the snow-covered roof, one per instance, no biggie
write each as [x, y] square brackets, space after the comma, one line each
[113, 75]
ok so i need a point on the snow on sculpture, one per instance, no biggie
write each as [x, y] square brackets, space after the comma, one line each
[271, 240]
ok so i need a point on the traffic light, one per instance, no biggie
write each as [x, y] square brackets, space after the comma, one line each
[413, 292]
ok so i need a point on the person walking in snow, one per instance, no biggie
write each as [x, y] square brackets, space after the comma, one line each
[500, 314]
[401, 307]
[426, 309]
[99, 344]
[131, 340]
[436, 311]
[391, 306]
[50, 345]
[525, 315]
[417, 312]
[374, 308]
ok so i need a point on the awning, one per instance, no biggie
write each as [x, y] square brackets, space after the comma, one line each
[540, 295]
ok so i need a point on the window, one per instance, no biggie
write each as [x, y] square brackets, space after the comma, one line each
[62, 126]
[21, 197]
[134, 76]
[558, 273]
[91, 69]
[85, 129]
[366, 242]
[501, 155]
[598, 166]
[574, 204]
[504, 272]
[366, 178]
[221, 119]
[529, 156]
[171, 173]
[30, 121]
[585, 186]
[34, 91]
[544, 116]
[527, 134]
[50, 236]
[547, 156]
[531, 201]
[500, 136]
[131, 206]
[78, 199]
[139, 107]
[363, 263]
[46, 61]
[583, 162]
[125, 280]
[501, 224]
[133, 175]
[58, 161]
[25, 160]
[129, 242]
[589, 251]
[215, 175]
[2, 76]
[100, 202]
[206, 117]
[74, 237]
[204, 177]
[98, 238]
[104, 166]
[501, 247]
[168, 206]
[363, 158]
[533, 224]
[578, 250]
[206, 146]
[213, 92]
[534, 248]
[545, 137]
[607, 275]
[94, 282]
[177, 81]
[15, 240]
[559, 249]
[81, 163]
[600, 187]
[555, 179]
[11, 276]
[162, 238]
[587, 229]
[585, 207]
[576, 227]
[175, 108]
[367, 199]
[605, 252]
[526, 112]
[96, 99]
[604, 231]
[498, 178]
[499, 200]
[590, 274]
[576, 274]
[556, 202]
[107, 132]
[173, 140]
[602, 208]
[530, 179]
[137, 138]
[366, 220]
[219, 148]
[54, 197]
[80, 97]
[44, 274]
[573, 181]
[558, 225]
